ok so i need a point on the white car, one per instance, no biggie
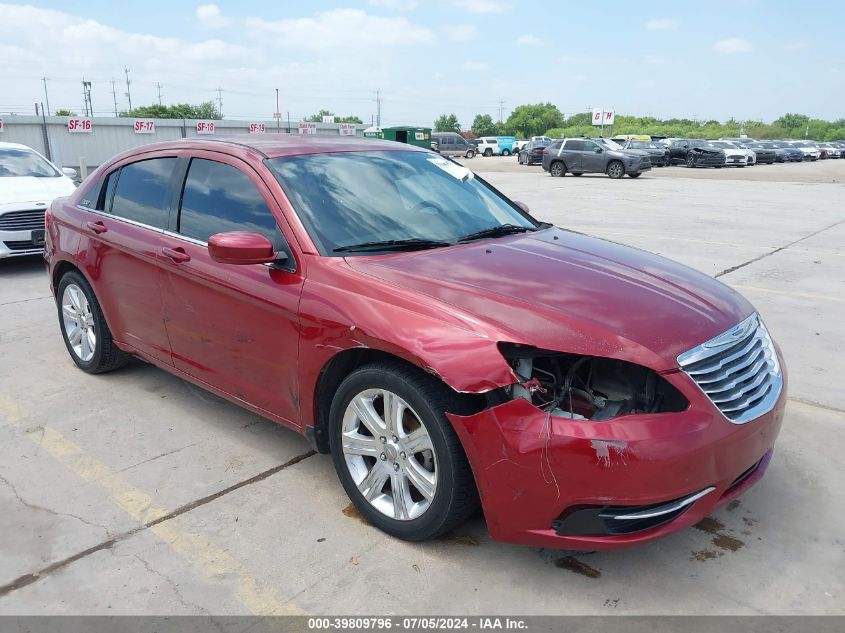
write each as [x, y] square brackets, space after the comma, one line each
[736, 155]
[542, 138]
[28, 185]
[811, 152]
[488, 145]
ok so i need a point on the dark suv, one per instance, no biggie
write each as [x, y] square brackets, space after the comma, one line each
[582, 155]
[695, 152]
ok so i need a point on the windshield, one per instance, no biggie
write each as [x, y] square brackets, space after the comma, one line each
[643, 145]
[352, 198]
[724, 144]
[608, 143]
[16, 162]
[800, 144]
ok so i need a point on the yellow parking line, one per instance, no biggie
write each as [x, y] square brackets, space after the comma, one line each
[209, 559]
[790, 293]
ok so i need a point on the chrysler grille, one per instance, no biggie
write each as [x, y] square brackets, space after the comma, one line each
[738, 370]
[22, 220]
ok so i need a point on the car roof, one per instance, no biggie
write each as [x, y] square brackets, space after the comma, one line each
[14, 146]
[276, 145]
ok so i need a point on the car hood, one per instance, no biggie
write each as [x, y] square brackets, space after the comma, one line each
[15, 191]
[565, 291]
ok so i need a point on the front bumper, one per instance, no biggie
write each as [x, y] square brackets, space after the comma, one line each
[709, 160]
[534, 471]
[18, 243]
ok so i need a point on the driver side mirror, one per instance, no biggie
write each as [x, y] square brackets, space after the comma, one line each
[521, 205]
[242, 247]
[70, 172]
[598, 150]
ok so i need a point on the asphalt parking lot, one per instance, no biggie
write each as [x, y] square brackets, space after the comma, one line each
[137, 493]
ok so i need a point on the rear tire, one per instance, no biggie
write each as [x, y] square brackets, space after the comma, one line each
[416, 447]
[488, 152]
[506, 152]
[84, 330]
[557, 169]
[470, 154]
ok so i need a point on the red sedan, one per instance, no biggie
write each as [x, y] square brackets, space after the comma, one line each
[444, 346]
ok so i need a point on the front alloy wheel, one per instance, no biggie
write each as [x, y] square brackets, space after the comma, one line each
[389, 455]
[690, 160]
[396, 453]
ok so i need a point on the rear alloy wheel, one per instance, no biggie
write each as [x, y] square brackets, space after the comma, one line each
[84, 329]
[557, 169]
[690, 160]
[396, 453]
[615, 169]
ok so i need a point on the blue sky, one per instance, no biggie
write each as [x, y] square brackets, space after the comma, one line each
[748, 59]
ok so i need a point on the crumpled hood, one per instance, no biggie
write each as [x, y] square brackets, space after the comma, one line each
[24, 190]
[565, 291]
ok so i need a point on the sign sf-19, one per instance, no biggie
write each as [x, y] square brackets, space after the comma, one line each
[603, 116]
[257, 128]
[79, 125]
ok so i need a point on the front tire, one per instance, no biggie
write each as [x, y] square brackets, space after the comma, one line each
[615, 169]
[397, 455]
[84, 329]
[690, 161]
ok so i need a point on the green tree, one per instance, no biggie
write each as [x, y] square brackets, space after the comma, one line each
[483, 125]
[64, 113]
[534, 119]
[792, 121]
[318, 118]
[205, 110]
[447, 123]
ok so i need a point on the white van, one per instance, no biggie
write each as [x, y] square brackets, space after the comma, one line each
[487, 145]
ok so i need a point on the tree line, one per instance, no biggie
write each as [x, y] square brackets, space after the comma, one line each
[545, 119]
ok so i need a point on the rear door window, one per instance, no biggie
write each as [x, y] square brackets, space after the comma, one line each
[143, 192]
[219, 198]
[574, 145]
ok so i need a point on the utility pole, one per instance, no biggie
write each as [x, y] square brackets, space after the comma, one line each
[128, 92]
[158, 85]
[220, 101]
[378, 109]
[114, 96]
[501, 109]
[86, 93]
[278, 114]
[46, 98]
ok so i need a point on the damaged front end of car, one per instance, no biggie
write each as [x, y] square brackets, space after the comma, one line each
[590, 452]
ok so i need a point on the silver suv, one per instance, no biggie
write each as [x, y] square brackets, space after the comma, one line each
[583, 155]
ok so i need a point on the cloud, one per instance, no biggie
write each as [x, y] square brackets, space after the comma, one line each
[795, 45]
[210, 17]
[661, 24]
[482, 6]
[395, 5]
[732, 45]
[528, 40]
[344, 29]
[461, 32]
[474, 66]
[653, 60]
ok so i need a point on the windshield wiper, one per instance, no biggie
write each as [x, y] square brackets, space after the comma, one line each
[496, 231]
[410, 244]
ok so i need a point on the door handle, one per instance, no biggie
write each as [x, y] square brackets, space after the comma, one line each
[98, 227]
[178, 255]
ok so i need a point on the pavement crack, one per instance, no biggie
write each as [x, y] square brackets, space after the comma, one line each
[28, 579]
[55, 513]
[818, 405]
[9, 303]
[173, 585]
[778, 249]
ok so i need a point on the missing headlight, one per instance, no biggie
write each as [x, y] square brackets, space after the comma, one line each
[588, 387]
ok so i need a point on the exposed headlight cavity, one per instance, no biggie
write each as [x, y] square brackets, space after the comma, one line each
[587, 387]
